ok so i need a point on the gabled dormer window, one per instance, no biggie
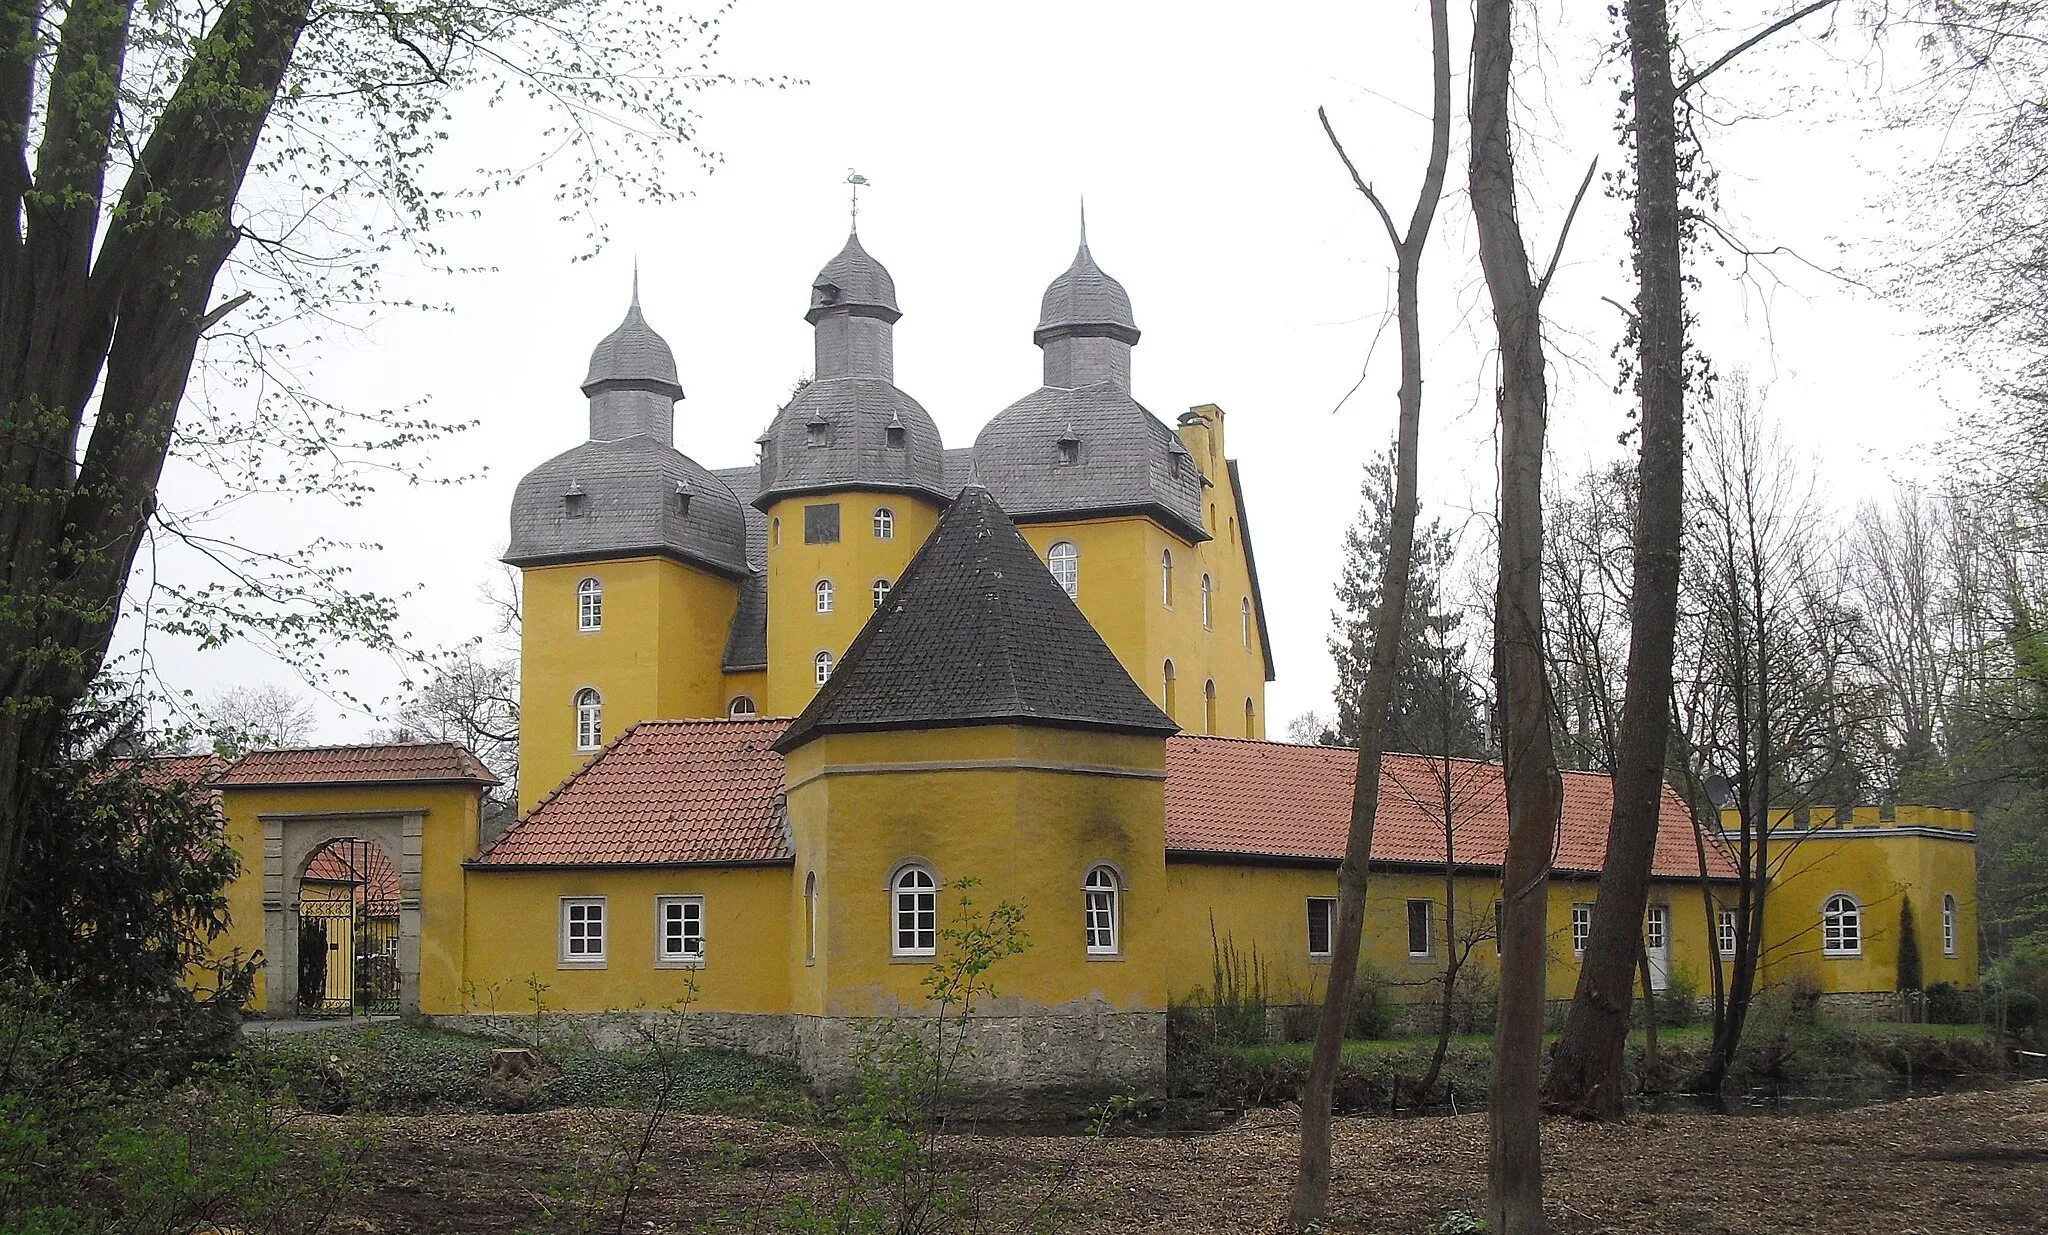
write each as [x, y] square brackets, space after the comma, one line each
[1070, 451]
[679, 501]
[894, 435]
[818, 432]
[572, 501]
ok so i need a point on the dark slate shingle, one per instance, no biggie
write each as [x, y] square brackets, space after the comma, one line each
[975, 633]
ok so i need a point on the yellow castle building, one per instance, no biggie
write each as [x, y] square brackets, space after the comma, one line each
[772, 716]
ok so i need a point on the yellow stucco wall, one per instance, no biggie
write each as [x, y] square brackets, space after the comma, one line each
[797, 632]
[1924, 853]
[449, 839]
[1027, 811]
[1121, 590]
[514, 933]
[1266, 907]
[657, 655]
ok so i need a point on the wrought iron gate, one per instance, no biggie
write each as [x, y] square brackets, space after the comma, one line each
[348, 962]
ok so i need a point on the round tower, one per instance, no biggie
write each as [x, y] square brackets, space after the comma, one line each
[852, 479]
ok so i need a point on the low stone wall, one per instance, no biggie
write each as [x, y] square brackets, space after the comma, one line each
[1055, 1058]
[1862, 1006]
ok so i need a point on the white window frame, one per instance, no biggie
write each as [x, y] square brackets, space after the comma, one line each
[1251, 718]
[590, 604]
[885, 523]
[914, 889]
[1428, 927]
[1950, 937]
[1328, 905]
[1102, 911]
[1166, 577]
[1209, 706]
[1244, 622]
[685, 959]
[738, 712]
[880, 591]
[1582, 927]
[822, 663]
[824, 592]
[811, 918]
[1207, 590]
[1065, 567]
[589, 719]
[1657, 927]
[1724, 931]
[1167, 677]
[575, 909]
[1841, 925]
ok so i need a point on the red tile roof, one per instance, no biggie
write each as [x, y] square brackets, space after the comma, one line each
[399, 763]
[164, 771]
[1234, 797]
[666, 791]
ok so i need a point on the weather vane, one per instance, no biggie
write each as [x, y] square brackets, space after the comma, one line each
[855, 179]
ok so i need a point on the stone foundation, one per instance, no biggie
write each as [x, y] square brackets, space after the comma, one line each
[1023, 1063]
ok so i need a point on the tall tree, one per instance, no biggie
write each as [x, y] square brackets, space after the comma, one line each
[1312, 1182]
[1515, 1159]
[1433, 707]
[131, 133]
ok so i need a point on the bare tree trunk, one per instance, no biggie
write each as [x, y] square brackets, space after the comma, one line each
[1454, 955]
[1312, 1183]
[1650, 1055]
[1586, 1069]
[1515, 1165]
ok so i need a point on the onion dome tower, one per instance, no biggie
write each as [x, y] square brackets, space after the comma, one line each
[632, 557]
[1080, 445]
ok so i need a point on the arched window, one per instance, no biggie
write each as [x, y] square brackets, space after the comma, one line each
[1948, 924]
[811, 918]
[823, 663]
[1205, 602]
[881, 592]
[1166, 677]
[742, 705]
[1166, 577]
[1209, 706]
[1244, 621]
[1099, 907]
[589, 720]
[590, 605]
[1064, 560]
[885, 523]
[916, 902]
[1251, 720]
[1841, 927]
[824, 590]
[775, 533]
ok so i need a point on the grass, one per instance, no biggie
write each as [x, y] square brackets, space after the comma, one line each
[410, 1068]
[1669, 1038]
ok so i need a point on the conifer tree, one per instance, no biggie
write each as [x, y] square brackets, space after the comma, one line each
[1425, 718]
[1909, 949]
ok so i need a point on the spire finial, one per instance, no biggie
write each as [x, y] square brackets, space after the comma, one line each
[855, 179]
[1084, 220]
[636, 281]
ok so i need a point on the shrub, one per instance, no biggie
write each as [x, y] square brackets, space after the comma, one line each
[1237, 1000]
[1373, 1010]
[1948, 1004]
[1475, 1002]
[1909, 948]
[1678, 1003]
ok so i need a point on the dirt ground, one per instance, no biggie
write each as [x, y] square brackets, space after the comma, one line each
[1975, 1162]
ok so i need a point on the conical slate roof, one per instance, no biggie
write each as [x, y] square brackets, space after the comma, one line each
[854, 280]
[633, 357]
[976, 632]
[1085, 301]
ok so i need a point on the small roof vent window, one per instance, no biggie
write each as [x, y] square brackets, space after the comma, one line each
[818, 432]
[572, 501]
[681, 497]
[895, 432]
[1069, 446]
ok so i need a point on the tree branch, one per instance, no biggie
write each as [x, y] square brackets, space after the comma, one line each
[1393, 232]
[1543, 284]
[1790, 19]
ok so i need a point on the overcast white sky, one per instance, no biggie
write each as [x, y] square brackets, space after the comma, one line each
[1258, 275]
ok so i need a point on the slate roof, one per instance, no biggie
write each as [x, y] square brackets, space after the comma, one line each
[633, 357]
[855, 414]
[976, 632]
[1251, 562]
[627, 503]
[746, 640]
[1085, 301]
[1127, 460]
[665, 792]
[396, 763]
[856, 280]
[1229, 798]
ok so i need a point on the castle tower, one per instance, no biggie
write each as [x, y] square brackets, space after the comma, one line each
[631, 557]
[851, 480]
[1139, 522]
[980, 728]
